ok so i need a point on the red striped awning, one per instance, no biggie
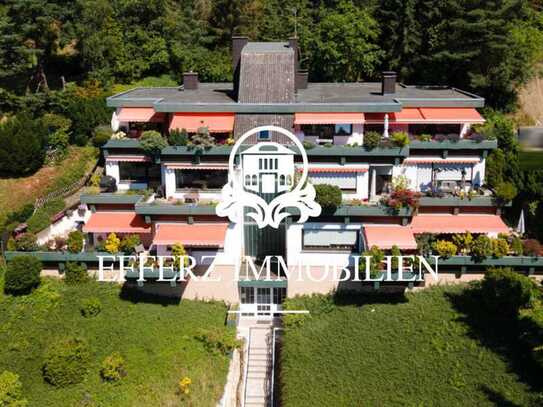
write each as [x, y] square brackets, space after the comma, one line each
[194, 235]
[329, 118]
[458, 224]
[128, 158]
[386, 236]
[338, 169]
[197, 167]
[140, 114]
[442, 161]
[117, 222]
[191, 122]
[433, 115]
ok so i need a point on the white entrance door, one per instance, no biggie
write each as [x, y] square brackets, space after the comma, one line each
[268, 183]
[261, 302]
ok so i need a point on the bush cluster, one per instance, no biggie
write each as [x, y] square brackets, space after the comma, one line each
[152, 143]
[372, 139]
[90, 307]
[11, 390]
[445, 248]
[22, 275]
[506, 292]
[75, 241]
[218, 340]
[113, 368]
[75, 273]
[328, 196]
[66, 362]
[129, 243]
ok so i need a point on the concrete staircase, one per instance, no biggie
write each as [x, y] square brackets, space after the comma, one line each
[259, 367]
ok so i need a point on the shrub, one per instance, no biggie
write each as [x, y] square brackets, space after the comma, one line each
[112, 244]
[375, 263]
[516, 246]
[113, 368]
[129, 243]
[27, 242]
[11, 390]
[403, 198]
[506, 292]
[531, 247]
[424, 243]
[500, 247]
[400, 138]
[66, 362]
[445, 248]
[184, 385]
[75, 273]
[22, 145]
[328, 196]
[152, 143]
[463, 241]
[178, 137]
[395, 252]
[424, 137]
[481, 247]
[58, 128]
[495, 166]
[372, 139]
[218, 340]
[90, 307]
[201, 140]
[22, 275]
[75, 241]
[505, 192]
[308, 145]
[101, 136]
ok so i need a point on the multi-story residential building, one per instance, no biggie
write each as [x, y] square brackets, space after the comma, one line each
[444, 161]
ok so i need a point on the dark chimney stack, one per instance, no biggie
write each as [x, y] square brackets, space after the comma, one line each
[301, 79]
[238, 43]
[190, 80]
[388, 84]
[293, 43]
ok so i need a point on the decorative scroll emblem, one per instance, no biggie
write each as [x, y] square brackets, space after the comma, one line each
[266, 173]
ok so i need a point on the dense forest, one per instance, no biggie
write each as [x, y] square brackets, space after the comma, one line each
[59, 58]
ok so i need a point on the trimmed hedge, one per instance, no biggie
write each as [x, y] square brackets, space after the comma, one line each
[66, 362]
[22, 275]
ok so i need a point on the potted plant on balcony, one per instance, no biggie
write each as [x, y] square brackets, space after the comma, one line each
[152, 144]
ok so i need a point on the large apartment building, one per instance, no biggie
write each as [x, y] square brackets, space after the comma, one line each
[444, 161]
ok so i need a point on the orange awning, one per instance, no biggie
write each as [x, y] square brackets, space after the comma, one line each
[195, 235]
[328, 118]
[139, 114]
[451, 115]
[116, 221]
[215, 122]
[458, 224]
[338, 169]
[430, 115]
[196, 167]
[386, 236]
[128, 158]
[407, 115]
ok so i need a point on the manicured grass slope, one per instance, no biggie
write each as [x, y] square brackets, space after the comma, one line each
[156, 341]
[418, 353]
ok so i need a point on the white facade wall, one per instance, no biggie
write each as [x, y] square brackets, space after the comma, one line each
[63, 226]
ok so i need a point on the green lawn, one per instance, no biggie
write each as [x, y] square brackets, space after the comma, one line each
[157, 341]
[436, 348]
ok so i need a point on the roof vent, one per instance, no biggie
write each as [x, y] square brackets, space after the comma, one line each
[190, 80]
[388, 84]
[301, 79]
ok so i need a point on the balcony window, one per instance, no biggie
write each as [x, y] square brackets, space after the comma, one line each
[330, 239]
[133, 172]
[327, 131]
[200, 179]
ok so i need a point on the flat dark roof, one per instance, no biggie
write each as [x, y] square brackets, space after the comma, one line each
[318, 97]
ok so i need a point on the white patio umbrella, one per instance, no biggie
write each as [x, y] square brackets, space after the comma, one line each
[521, 227]
[385, 133]
[114, 122]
